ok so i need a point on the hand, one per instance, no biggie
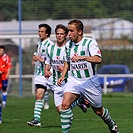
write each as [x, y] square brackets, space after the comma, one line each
[47, 74]
[40, 58]
[75, 58]
[60, 80]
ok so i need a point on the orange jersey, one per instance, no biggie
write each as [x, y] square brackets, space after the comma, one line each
[2, 69]
[7, 62]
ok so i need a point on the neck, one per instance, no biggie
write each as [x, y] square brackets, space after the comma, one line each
[60, 44]
[79, 39]
[43, 39]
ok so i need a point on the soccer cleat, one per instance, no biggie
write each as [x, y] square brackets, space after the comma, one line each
[114, 129]
[87, 104]
[0, 122]
[35, 123]
[46, 106]
[83, 107]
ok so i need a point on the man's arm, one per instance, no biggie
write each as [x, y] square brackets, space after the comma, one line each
[65, 70]
[8, 73]
[47, 71]
[93, 59]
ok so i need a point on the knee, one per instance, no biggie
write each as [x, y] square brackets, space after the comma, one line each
[65, 105]
[98, 112]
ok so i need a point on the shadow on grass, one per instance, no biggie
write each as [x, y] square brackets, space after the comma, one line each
[50, 127]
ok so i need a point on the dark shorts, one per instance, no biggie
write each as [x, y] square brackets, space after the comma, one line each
[4, 84]
[40, 86]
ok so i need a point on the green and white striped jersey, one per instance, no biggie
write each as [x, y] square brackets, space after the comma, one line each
[86, 47]
[41, 50]
[55, 58]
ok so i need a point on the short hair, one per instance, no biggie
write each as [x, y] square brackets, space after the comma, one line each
[2, 47]
[79, 25]
[48, 28]
[61, 26]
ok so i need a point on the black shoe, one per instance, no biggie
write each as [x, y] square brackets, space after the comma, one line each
[83, 107]
[114, 129]
[35, 123]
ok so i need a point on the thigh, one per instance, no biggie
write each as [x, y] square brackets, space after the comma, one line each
[68, 99]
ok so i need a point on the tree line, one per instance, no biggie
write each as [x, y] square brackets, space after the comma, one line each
[69, 9]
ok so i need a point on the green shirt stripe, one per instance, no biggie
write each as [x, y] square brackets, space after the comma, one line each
[52, 49]
[58, 51]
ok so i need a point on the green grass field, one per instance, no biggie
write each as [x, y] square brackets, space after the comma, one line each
[20, 110]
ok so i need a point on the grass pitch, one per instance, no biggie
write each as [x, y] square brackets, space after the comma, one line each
[19, 110]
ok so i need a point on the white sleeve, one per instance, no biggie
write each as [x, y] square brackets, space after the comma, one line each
[66, 55]
[94, 49]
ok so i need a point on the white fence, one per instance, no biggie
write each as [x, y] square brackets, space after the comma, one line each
[105, 76]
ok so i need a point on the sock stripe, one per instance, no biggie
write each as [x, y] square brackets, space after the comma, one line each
[107, 118]
[66, 119]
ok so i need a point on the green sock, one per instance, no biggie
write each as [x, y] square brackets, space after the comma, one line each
[66, 120]
[46, 97]
[107, 118]
[38, 109]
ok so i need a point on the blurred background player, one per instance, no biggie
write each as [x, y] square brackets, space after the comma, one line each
[2, 71]
[46, 94]
[7, 61]
[44, 32]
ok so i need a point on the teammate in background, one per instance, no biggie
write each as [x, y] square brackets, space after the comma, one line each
[7, 61]
[82, 55]
[2, 71]
[55, 59]
[40, 81]
[46, 94]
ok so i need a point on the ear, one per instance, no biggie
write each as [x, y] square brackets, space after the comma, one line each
[80, 32]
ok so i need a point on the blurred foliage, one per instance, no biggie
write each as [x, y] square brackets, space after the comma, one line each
[42, 9]
[117, 57]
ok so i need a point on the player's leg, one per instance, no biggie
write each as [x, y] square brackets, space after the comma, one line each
[105, 115]
[66, 114]
[40, 90]
[93, 93]
[46, 100]
[0, 107]
[4, 92]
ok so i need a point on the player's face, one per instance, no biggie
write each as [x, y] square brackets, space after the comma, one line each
[1, 51]
[60, 36]
[73, 33]
[42, 33]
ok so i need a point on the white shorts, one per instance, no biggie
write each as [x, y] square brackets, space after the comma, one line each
[38, 79]
[87, 88]
[58, 94]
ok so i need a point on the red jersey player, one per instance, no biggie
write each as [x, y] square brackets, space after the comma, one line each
[7, 62]
[2, 71]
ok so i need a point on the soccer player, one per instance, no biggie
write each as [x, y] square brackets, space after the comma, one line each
[46, 94]
[7, 61]
[2, 71]
[55, 59]
[82, 55]
[40, 81]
